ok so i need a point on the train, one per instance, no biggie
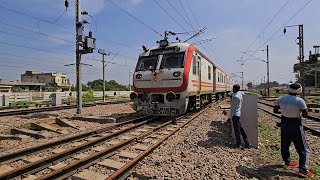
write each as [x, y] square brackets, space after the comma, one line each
[174, 78]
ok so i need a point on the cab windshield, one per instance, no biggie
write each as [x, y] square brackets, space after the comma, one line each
[147, 63]
[172, 60]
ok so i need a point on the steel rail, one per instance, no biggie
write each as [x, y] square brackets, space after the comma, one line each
[20, 153]
[46, 162]
[53, 108]
[130, 164]
[309, 117]
[313, 131]
[71, 168]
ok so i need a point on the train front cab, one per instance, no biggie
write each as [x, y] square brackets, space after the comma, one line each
[160, 81]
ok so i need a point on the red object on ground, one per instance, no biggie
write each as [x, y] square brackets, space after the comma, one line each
[306, 173]
[293, 164]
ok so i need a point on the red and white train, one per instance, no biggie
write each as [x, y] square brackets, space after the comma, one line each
[174, 78]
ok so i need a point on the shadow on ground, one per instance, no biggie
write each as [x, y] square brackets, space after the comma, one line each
[218, 135]
[266, 172]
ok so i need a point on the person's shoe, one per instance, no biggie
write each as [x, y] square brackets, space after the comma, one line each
[247, 146]
[292, 164]
[306, 173]
[236, 146]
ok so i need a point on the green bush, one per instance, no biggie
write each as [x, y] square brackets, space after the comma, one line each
[88, 95]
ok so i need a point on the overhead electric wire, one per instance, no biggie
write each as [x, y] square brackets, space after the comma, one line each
[170, 16]
[34, 17]
[211, 52]
[281, 27]
[53, 52]
[269, 23]
[185, 12]
[193, 14]
[40, 19]
[179, 14]
[13, 34]
[44, 34]
[134, 17]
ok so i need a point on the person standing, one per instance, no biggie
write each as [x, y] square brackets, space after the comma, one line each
[235, 113]
[292, 129]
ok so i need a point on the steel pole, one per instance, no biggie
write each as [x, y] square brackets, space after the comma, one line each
[268, 74]
[78, 60]
[301, 58]
[129, 80]
[103, 74]
[242, 80]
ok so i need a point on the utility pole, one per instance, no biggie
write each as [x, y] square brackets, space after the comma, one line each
[242, 80]
[129, 80]
[103, 53]
[268, 74]
[79, 29]
[301, 57]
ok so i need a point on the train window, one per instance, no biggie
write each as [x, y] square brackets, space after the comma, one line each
[172, 60]
[198, 68]
[218, 77]
[194, 65]
[209, 72]
[147, 63]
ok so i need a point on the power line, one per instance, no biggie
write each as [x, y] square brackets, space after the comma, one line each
[179, 13]
[170, 16]
[40, 19]
[281, 27]
[193, 14]
[44, 34]
[211, 47]
[134, 17]
[13, 34]
[185, 12]
[273, 18]
[34, 17]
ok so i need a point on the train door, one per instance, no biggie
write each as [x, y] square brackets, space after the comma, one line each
[199, 73]
[198, 96]
[214, 79]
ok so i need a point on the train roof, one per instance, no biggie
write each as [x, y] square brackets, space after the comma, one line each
[184, 47]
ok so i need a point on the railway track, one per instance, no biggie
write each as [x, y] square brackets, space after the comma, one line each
[107, 153]
[311, 123]
[53, 108]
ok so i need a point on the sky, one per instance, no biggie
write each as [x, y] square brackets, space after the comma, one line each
[39, 34]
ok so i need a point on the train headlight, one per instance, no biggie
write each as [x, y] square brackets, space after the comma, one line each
[144, 97]
[139, 76]
[170, 96]
[177, 74]
[133, 95]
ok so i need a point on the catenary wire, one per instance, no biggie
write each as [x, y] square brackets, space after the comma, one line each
[134, 17]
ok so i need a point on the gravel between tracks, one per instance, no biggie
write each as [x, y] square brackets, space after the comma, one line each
[203, 150]
[19, 121]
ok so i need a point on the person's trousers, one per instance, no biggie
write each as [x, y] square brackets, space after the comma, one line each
[292, 131]
[238, 129]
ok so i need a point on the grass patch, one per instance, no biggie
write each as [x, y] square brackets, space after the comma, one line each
[278, 94]
[28, 126]
[270, 138]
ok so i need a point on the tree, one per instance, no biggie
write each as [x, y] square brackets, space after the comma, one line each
[250, 85]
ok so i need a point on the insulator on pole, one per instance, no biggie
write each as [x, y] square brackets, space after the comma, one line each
[66, 4]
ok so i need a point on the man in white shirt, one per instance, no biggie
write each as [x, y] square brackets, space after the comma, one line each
[235, 113]
[292, 129]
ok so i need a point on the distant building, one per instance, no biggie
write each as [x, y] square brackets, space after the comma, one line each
[5, 89]
[57, 80]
